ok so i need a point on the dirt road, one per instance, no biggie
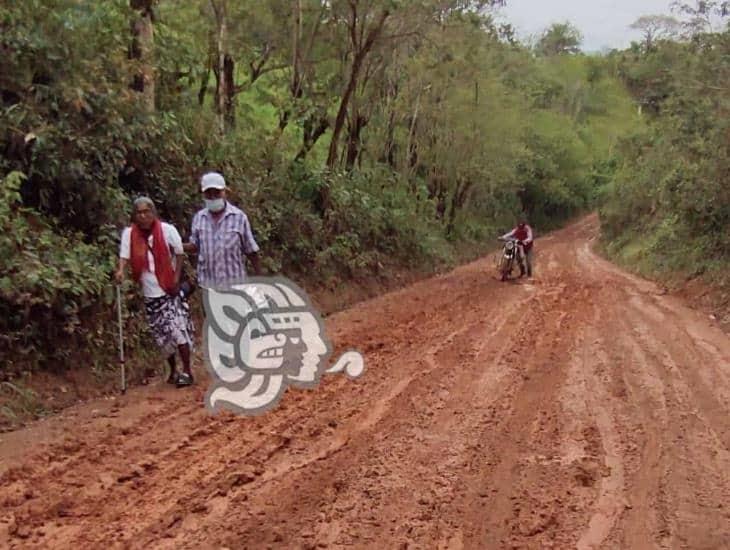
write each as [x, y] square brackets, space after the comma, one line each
[582, 409]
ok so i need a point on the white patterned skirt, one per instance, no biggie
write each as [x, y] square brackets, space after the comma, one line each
[170, 322]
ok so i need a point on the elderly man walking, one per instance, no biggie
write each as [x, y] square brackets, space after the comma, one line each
[221, 236]
[154, 251]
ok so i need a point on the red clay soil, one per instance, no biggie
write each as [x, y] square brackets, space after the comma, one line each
[581, 409]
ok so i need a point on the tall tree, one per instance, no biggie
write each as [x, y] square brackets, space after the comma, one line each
[224, 68]
[702, 15]
[308, 98]
[559, 39]
[656, 27]
[362, 39]
[142, 50]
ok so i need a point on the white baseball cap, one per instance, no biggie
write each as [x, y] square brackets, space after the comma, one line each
[212, 180]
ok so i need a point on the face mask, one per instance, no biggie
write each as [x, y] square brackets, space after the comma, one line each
[215, 205]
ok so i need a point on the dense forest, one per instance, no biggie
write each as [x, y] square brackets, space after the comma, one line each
[667, 208]
[359, 136]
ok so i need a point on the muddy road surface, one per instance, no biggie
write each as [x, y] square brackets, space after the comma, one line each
[580, 409]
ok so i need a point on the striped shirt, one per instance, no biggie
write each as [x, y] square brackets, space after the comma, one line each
[221, 246]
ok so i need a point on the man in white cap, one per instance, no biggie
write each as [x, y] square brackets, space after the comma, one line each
[221, 236]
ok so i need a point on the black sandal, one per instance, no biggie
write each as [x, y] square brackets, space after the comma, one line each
[184, 379]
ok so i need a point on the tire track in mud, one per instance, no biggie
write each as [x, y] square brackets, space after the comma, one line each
[662, 369]
[645, 522]
[369, 486]
[180, 452]
[578, 410]
[523, 460]
[697, 472]
[606, 386]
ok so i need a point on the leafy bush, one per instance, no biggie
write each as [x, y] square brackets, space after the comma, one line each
[49, 277]
[672, 191]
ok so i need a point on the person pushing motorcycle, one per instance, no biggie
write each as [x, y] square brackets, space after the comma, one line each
[523, 234]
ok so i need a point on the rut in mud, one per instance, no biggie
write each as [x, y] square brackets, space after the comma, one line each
[581, 409]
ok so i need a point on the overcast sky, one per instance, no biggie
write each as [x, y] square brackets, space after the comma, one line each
[604, 23]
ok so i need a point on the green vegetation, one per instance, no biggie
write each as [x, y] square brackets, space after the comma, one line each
[17, 403]
[668, 209]
[359, 136]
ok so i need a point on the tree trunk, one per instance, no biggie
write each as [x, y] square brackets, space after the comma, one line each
[142, 50]
[296, 55]
[360, 55]
[410, 147]
[204, 80]
[389, 149]
[342, 111]
[353, 139]
[222, 94]
[312, 134]
[457, 202]
[229, 104]
[437, 191]
[299, 75]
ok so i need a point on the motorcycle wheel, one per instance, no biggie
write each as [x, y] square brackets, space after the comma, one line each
[505, 268]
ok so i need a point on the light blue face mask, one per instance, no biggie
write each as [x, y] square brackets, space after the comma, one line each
[215, 205]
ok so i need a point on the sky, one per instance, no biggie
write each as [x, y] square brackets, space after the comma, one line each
[604, 23]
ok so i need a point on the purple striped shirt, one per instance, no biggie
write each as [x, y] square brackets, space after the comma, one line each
[221, 246]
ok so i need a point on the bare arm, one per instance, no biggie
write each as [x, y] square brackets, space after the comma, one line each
[191, 247]
[508, 235]
[121, 268]
[179, 259]
[529, 235]
[256, 262]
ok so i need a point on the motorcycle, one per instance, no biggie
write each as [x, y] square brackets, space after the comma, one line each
[512, 255]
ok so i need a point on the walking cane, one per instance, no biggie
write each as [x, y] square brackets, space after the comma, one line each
[121, 338]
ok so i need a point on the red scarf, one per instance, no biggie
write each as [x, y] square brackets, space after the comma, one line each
[160, 252]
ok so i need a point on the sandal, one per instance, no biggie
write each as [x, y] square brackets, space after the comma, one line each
[184, 379]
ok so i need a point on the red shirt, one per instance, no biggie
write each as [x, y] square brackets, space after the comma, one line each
[523, 234]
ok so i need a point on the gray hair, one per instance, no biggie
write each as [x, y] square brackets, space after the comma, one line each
[143, 200]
